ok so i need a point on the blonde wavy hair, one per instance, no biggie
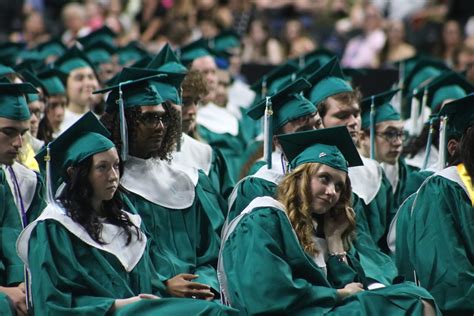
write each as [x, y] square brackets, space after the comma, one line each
[294, 192]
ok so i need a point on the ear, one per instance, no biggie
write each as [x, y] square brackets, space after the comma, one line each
[276, 142]
[452, 146]
[70, 171]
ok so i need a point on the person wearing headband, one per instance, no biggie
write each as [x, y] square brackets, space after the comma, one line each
[88, 253]
[21, 193]
[292, 254]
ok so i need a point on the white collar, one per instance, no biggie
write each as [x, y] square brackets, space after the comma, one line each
[27, 181]
[391, 171]
[361, 176]
[158, 182]
[419, 159]
[113, 236]
[217, 119]
[194, 154]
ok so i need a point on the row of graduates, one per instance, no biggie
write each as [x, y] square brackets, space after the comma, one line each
[188, 186]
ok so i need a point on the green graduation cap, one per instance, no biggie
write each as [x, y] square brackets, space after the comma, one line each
[73, 59]
[275, 77]
[224, 41]
[85, 138]
[169, 86]
[327, 81]
[50, 48]
[449, 85]
[424, 70]
[460, 115]
[100, 53]
[101, 35]
[376, 109]
[31, 78]
[9, 52]
[131, 53]
[279, 109]
[6, 70]
[329, 146]
[194, 50]
[322, 55]
[166, 61]
[13, 103]
[52, 80]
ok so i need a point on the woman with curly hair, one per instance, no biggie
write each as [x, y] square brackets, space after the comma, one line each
[175, 211]
[293, 255]
[86, 253]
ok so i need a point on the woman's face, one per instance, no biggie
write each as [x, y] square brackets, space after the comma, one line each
[326, 188]
[81, 82]
[104, 175]
[55, 110]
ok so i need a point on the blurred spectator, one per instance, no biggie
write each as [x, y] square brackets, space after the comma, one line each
[95, 13]
[150, 19]
[74, 17]
[33, 32]
[451, 40]
[296, 40]
[362, 50]
[259, 47]
[395, 48]
[10, 18]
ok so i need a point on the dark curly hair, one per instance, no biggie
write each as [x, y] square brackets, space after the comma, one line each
[132, 115]
[76, 199]
[466, 151]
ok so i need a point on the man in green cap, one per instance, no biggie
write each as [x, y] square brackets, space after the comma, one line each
[167, 199]
[291, 113]
[21, 191]
[338, 105]
[80, 84]
[440, 238]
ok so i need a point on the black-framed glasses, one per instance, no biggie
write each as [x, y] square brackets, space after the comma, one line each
[392, 135]
[152, 119]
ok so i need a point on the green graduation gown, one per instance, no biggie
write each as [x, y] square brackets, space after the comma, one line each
[181, 220]
[74, 275]
[263, 270]
[441, 241]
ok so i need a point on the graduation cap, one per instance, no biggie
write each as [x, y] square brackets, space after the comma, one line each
[139, 92]
[449, 85]
[101, 35]
[460, 114]
[72, 59]
[13, 104]
[327, 81]
[100, 53]
[50, 48]
[329, 146]
[31, 78]
[225, 41]
[9, 52]
[85, 138]
[322, 55]
[6, 70]
[169, 86]
[166, 61]
[194, 50]
[130, 53]
[278, 74]
[53, 81]
[280, 108]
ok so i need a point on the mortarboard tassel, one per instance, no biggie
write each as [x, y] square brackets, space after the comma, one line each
[414, 115]
[123, 125]
[372, 129]
[49, 185]
[421, 118]
[267, 133]
[428, 144]
[442, 143]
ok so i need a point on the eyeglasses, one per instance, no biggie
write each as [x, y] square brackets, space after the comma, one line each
[392, 135]
[151, 120]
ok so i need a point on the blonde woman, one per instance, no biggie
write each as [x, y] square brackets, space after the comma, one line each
[292, 255]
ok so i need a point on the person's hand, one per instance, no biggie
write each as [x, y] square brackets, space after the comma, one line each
[182, 286]
[121, 302]
[336, 224]
[17, 295]
[350, 289]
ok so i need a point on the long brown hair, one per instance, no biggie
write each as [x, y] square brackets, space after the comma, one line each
[294, 192]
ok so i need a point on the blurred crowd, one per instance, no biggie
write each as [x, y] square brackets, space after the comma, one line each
[364, 34]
